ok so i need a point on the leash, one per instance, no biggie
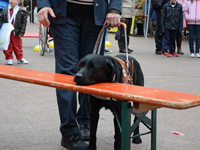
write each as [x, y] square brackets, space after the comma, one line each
[98, 45]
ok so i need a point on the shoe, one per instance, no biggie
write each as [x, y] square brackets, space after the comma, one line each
[85, 132]
[166, 54]
[197, 55]
[124, 51]
[130, 50]
[73, 142]
[22, 61]
[9, 62]
[192, 55]
[180, 52]
[175, 54]
[158, 52]
[107, 51]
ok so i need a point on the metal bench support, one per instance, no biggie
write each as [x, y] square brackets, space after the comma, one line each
[128, 129]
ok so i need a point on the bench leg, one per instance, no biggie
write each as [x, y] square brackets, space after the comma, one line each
[153, 129]
[126, 123]
[127, 129]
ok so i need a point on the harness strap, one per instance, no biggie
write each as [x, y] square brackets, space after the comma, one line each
[127, 78]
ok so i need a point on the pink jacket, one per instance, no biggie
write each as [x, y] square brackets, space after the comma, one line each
[192, 12]
[182, 2]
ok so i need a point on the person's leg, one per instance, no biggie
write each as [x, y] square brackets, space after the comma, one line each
[89, 34]
[66, 44]
[129, 23]
[165, 42]
[158, 33]
[179, 42]
[9, 52]
[17, 47]
[121, 41]
[140, 29]
[197, 35]
[191, 37]
[172, 41]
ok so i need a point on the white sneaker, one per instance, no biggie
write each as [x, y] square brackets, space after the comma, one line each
[192, 55]
[197, 55]
[22, 61]
[9, 62]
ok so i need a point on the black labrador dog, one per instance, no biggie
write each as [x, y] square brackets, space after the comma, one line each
[95, 68]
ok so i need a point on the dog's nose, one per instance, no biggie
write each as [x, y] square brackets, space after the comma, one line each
[78, 77]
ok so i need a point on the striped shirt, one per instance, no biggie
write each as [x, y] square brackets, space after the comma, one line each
[82, 2]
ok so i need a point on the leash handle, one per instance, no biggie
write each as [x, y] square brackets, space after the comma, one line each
[98, 43]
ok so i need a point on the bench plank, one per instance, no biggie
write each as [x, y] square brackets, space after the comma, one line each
[138, 94]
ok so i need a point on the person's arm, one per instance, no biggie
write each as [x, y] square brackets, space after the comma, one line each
[23, 22]
[186, 10]
[44, 9]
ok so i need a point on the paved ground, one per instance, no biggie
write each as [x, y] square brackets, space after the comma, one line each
[29, 117]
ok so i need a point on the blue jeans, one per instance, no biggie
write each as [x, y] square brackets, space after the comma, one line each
[72, 41]
[168, 41]
[194, 32]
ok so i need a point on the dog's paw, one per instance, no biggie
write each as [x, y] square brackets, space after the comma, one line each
[137, 140]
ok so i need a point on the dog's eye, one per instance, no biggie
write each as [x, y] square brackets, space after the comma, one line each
[80, 65]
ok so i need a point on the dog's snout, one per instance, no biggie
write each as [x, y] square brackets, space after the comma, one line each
[78, 77]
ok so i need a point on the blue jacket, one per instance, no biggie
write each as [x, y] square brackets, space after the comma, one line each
[3, 4]
[101, 7]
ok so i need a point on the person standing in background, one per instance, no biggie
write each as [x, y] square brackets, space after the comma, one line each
[75, 25]
[139, 20]
[171, 23]
[128, 12]
[19, 22]
[192, 15]
[157, 6]
[179, 35]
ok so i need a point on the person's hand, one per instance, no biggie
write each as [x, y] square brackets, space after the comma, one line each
[20, 36]
[113, 19]
[43, 15]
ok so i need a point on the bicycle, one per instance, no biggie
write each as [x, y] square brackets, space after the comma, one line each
[44, 34]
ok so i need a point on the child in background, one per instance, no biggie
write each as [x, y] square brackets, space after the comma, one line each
[19, 22]
[192, 15]
[172, 22]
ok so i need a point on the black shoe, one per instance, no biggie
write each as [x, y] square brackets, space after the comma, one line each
[73, 142]
[130, 50]
[124, 51]
[158, 52]
[107, 51]
[85, 132]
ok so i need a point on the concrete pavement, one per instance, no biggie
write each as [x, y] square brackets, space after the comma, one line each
[29, 118]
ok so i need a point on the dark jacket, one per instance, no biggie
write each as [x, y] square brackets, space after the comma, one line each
[172, 17]
[20, 20]
[101, 7]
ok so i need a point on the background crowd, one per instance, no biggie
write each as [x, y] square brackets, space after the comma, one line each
[170, 18]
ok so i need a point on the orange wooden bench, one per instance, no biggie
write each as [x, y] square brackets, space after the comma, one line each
[143, 98]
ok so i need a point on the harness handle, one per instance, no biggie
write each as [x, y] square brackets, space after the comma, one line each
[98, 43]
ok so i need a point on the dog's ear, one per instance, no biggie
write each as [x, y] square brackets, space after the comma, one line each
[111, 70]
